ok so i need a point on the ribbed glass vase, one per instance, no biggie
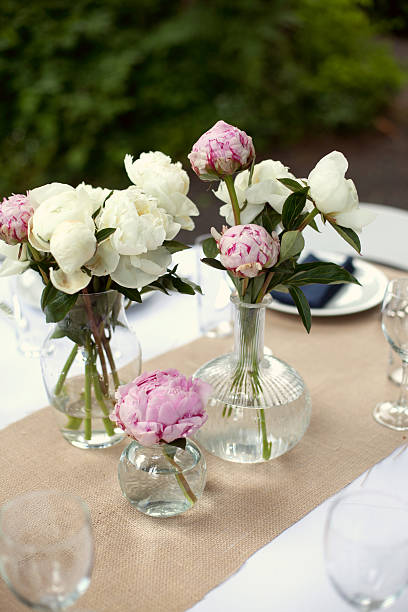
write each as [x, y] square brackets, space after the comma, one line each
[260, 407]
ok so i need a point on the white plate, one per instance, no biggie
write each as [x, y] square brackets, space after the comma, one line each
[350, 298]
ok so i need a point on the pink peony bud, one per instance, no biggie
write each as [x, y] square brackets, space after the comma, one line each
[247, 249]
[221, 151]
[15, 213]
[161, 405]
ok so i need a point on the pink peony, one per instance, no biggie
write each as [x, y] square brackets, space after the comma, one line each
[15, 213]
[247, 249]
[161, 405]
[221, 151]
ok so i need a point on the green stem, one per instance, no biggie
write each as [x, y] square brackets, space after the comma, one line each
[229, 181]
[308, 219]
[65, 370]
[95, 331]
[183, 484]
[109, 426]
[88, 393]
[262, 292]
[73, 423]
[106, 346]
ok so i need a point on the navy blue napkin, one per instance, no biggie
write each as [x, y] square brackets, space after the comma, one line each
[317, 295]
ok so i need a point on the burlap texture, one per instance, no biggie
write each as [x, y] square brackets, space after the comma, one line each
[154, 565]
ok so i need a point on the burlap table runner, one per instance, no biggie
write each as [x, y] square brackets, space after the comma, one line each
[153, 565]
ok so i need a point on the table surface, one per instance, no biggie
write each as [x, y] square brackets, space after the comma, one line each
[288, 574]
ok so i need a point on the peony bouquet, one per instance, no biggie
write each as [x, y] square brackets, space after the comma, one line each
[85, 241]
[267, 209]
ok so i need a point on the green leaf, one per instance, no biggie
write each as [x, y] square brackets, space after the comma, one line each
[55, 303]
[210, 248]
[349, 236]
[302, 305]
[268, 218]
[325, 273]
[104, 233]
[130, 293]
[214, 263]
[293, 207]
[292, 243]
[96, 213]
[182, 287]
[174, 246]
[291, 184]
[179, 443]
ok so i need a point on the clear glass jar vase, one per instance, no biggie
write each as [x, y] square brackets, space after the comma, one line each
[260, 407]
[162, 480]
[84, 359]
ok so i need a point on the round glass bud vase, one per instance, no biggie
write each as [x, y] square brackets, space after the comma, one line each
[85, 357]
[260, 407]
[162, 480]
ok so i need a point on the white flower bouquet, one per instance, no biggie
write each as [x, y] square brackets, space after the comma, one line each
[85, 241]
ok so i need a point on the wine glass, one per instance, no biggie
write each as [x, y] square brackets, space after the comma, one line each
[394, 414]
[46, 548]
[366, 548]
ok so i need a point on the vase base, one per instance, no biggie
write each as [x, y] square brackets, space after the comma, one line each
[99, 439]
[248, 452]
[247, 426]
[162, 509]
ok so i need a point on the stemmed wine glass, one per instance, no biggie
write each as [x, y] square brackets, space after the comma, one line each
[366, 548]
[394, 311]
[46, 548]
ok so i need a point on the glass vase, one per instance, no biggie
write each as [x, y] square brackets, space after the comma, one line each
[260, 407]
[86, 356]
[162, 480]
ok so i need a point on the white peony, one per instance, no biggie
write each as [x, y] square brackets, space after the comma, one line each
[97, 194]
[38, 195]
[139, 270]
[264, 188]
[166, 181]
[141, 225]
[72, 244]
[334, 195]
[68, 205]
[15, 259]
[105, 260]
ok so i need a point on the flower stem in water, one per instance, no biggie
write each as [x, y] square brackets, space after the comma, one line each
[65, 370]
[183, 484]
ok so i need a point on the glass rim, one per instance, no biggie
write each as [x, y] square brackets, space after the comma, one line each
[235, 299]
[38, 493]
[394, 281]
[361, 493]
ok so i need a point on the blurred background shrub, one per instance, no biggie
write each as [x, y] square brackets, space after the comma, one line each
[84, 83]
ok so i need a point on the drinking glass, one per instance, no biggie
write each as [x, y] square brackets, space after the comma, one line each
[394, 414]
[46, 548]
[366, 548]
[214, 305]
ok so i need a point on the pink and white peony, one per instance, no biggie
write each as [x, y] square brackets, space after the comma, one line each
[334, 195]
[247, 249]
[221, 151]
[15, 214]
[161, 406]
[158, 176]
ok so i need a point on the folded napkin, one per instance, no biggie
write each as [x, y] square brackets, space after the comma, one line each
[317, 295]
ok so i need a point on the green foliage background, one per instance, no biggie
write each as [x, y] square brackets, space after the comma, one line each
[86, 82]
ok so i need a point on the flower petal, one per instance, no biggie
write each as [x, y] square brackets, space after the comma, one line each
[69, 283]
